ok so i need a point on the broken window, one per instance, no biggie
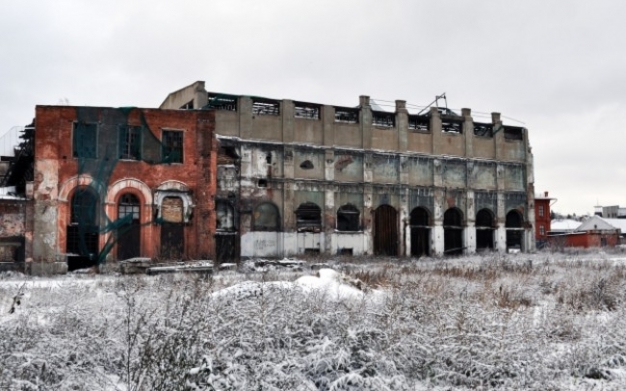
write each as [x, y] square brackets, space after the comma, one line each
[227, 155]
[172, 146]
[419, 123]
[419, 217]
[484, 229]
[348, 218]
[308, 217]
[130, 142]
[128, 208]
[262, 183]
[449, 125]
[266, 217]
[453, 231]
[221, 102]
[382, 119]
[225, 216]
[306, 165]
[514, 219]
[307, 110]
[85, 140]
[420, 232]
[483, 130]
[265, 107]
[513, 133]
[346, 115]
[514, 230]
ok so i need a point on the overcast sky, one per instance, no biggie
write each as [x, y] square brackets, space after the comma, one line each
[557, 66]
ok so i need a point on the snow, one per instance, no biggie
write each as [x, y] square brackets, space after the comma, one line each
[519, 321]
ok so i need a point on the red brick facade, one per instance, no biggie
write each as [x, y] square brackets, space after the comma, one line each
[59, 173]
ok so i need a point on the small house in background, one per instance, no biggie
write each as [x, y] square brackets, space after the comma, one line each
[542, 218]
[593, 232]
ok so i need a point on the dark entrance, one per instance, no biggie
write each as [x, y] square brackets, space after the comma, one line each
[172, 228]
[514, 230]
[83, 232]
[226, 244]
[453, 232]
[420, 232]
[385, 231]
[128, 232]
[484, 230]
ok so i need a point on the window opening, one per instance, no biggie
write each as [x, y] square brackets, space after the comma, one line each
[453, 232]
[513, 219]
[265, 107]
[268, 158]
[129, 208]
[419, 123]
[187, 106]
[85, 141]
[451, 126]
[307, 110]
[225, 216]
[483, 130]
[541, 210]
[382, 119]
[172, 146]
[306, 165]
[266, 217]
[130, 142]
[348, 218]
[308, 217]
[346, 115]
[221, 102]
[513, 133]
[542, 230]
[262, 183]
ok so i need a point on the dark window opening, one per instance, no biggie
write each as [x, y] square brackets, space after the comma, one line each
[483, 130]
[382, 119]
[306, 165]
[420, 232]
[451, 126]
[227, 155]
[452, 218]
[311, 251]
[268, 158]
[346, 115]
[307, 110]
[420, 218]
[83, 232]
[225, 216]
[128, 208]
[266, 218]
[348, 218]
[514, 219]
[130, 142]
[484, 230]
[345, 252]
[453, 232]
[484, 219]
[513, 133]
[172, 146]
[419, 123]
[187, 106]
[265, 107]
[262, 183]
[309, 218]
[221, 102]
[85, 143]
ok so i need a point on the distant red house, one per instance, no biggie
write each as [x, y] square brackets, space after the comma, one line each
[593, 232]
[542, 218]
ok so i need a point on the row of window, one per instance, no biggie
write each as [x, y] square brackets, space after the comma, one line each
[130, 142]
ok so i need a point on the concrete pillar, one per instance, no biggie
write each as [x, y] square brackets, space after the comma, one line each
[498, 137]
[469, 238]
[501, 230]
[435, 126]
[405, 228]
[365, 121]
[328, 123]
[437, 242]
[329, 221]
[402, 125]
[468, 132]
[287, 112]
[368, 244]
[245, 116]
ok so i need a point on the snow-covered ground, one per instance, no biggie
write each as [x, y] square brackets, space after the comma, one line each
[540, 321]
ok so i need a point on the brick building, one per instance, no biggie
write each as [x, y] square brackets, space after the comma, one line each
[122, 183]
[543, 218]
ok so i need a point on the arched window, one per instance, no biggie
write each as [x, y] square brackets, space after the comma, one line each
[514, 219]
[452, 218]
[453, 231]
[225, 216]
[484, 218]
[128, 208]
[484, 230]
[419, 217]
[348, 218]
[85, 207]
[266, 217]
[308, 217]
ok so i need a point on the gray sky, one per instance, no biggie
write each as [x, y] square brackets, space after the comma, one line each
[558, 66]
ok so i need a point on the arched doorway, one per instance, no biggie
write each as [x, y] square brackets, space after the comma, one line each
[129, 227]
[420, 232]
[453, 232]
[514, 230]
[386, 231]
[484, 230]
[83, 231]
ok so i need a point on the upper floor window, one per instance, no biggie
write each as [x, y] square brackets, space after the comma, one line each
[419, 123]
[265, 107]
[172, 144]
[85, 140]
[306, 110]
[130, 142]
[483, 130]
[346, 115]
[541, 211]
[382, 119]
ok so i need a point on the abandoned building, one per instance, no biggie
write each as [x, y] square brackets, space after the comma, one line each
[306, 178]
[223, 177]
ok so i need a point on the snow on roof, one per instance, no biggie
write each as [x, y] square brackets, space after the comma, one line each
[617, 223]
[564, 225]
[596, 223]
